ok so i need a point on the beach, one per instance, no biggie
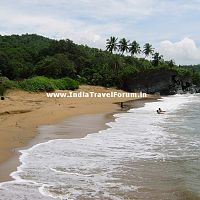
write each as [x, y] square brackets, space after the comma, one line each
[130, 154]
[22, 113]
[112, 153]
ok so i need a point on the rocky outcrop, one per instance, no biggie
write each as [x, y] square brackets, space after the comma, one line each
[164, 81]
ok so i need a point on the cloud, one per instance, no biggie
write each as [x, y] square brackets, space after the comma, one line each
[101, 9]
[91, 22]
[183, 52]
[49, 19]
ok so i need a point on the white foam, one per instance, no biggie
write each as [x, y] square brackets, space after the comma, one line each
[93, 162]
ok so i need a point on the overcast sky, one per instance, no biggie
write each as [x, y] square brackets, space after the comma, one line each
[172, 26]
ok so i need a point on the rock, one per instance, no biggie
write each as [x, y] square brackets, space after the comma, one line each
[151, 82]
[164, 81]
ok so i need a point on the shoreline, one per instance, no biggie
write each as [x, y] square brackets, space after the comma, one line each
[31, 132]
[73, 132]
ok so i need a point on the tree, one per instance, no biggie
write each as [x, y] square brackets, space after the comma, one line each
[56, 66]
[116, 63]
[123, 45]
[111, 44]
[4, 65]
[171, 63]
[157, 58]
[134, 48]
[148, 50]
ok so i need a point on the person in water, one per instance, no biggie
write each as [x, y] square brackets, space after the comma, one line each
[159, 111]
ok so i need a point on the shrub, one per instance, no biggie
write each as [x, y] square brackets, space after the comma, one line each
[65, 84]
[81, 80]
[41, 83]
[10, 84]
[37, 84]
[58, 84]
[7, 84]
[70, 84]
[2, 90]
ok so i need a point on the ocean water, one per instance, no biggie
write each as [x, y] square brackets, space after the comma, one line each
[143, 156]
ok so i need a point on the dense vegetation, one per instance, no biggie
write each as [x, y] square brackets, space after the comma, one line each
[193, 67]
[27, 56]
[39, 84]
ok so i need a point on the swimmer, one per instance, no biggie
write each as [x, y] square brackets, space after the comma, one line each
[160, 110]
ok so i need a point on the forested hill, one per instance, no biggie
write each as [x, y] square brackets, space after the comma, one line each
[32, 55]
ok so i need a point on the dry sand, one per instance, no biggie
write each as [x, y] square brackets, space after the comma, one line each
[21, 113]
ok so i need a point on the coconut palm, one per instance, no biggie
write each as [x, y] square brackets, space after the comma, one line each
[148, 50]
[157, 58]
[134, 48]
[123, 45]
[111, 44]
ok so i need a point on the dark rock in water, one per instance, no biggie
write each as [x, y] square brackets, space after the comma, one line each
[164, 81]
[2, 98]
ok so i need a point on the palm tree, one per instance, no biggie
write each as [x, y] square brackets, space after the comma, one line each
[134, 48]
[148, 50]
[123, 45]
[111, 44]
[157, 58]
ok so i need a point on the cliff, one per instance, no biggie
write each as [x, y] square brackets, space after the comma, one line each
[165, 81]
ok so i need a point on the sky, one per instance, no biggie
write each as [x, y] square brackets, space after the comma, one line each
[171, 26]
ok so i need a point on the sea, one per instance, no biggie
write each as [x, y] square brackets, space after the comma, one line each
[141, 156]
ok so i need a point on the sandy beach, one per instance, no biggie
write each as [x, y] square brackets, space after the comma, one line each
[22, 113]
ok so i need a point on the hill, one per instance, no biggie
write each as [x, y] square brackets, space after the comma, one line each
[30, 55]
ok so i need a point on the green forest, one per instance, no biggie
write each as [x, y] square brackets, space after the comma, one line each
[31, 59]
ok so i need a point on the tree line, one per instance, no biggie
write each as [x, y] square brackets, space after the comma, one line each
[31, 55]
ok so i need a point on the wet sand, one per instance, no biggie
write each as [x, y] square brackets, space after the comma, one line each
[23, 116]
[72, 127]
